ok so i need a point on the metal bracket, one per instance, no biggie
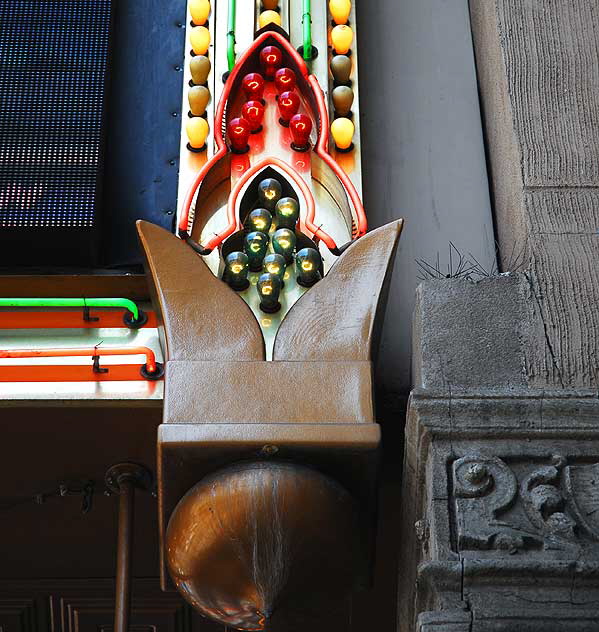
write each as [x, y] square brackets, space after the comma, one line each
[96, 365]
[132, 472]
[86, 316]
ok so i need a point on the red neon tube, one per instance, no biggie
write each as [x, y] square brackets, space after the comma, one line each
[151, 365]
[322, 149]
[220, 115]
[299, 181]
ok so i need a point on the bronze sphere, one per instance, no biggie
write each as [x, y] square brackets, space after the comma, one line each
[259, 542]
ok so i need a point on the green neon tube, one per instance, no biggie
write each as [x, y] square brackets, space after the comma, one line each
[231, 35]
[125, 303]
[307, 24]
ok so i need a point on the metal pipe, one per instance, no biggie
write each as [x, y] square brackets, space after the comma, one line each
[151, 364]
[123, 557]
[125, 303]
[307, 29]
[123, 479]
[231, 34]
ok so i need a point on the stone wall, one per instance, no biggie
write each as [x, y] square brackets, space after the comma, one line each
[500, 499]
[538, 71]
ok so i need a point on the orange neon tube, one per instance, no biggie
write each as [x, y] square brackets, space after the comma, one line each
[93, 352]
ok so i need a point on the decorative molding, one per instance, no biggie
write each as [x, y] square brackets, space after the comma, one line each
[524, 507]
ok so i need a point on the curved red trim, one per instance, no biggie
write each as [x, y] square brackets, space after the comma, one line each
[193, 187]
[322, 149]
[220, 114]
[301, 184]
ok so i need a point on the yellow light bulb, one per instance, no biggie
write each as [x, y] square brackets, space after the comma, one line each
[342, 131]
[200, 40]
[340, 10]
[270, 4]
[198, 97]
[342, 37]
[197, 131]
[200, 10]
[266, 17]
[200, 69]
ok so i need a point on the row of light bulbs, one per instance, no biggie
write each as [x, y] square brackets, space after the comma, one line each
[198, 95]
[342, 128]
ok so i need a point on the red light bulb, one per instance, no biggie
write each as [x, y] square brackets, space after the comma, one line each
[253, 86]
[285, 80]
[271, 59]
[239, 132]
[288, 103]
[253, 112]
[300, 127]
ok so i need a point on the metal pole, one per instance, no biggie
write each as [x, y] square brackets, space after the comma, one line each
[123, 556]
[122, 479]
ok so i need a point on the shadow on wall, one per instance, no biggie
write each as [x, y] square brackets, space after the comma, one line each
[422, 141]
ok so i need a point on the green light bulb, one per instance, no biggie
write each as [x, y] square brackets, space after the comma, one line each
[237, 266]
[275, 264]
[259, 219]
[269, 289]
[255, 245]
[307, 265]
[287, 213]
[269, 193]
[283, 243]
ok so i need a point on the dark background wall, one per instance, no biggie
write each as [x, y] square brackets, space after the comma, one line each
[144, 110]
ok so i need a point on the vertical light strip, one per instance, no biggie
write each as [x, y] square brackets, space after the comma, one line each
[190, 162]
[351, 163]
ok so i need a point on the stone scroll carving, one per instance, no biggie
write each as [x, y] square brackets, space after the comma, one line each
[524, 507]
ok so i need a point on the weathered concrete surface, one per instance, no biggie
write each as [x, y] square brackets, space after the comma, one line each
[538, 74]
[500, 499]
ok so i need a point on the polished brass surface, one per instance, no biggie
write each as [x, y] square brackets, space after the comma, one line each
[203, 318]
[347, 452]
[262, 542]
[324, 392]
[335, 319]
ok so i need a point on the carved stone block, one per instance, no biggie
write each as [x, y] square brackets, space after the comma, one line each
[501, 483]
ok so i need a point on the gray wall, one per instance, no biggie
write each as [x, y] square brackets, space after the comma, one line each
[423, 154]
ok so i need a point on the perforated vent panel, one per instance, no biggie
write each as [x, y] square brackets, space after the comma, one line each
[53, 69]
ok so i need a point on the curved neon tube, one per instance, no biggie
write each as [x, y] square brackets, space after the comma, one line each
[125, 303]
[300, 183]
[307, 29]
[93, 352]
[321, 150]
[220, 115]
[231, 35]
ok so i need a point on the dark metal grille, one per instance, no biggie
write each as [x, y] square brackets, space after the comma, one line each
[53, 72]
